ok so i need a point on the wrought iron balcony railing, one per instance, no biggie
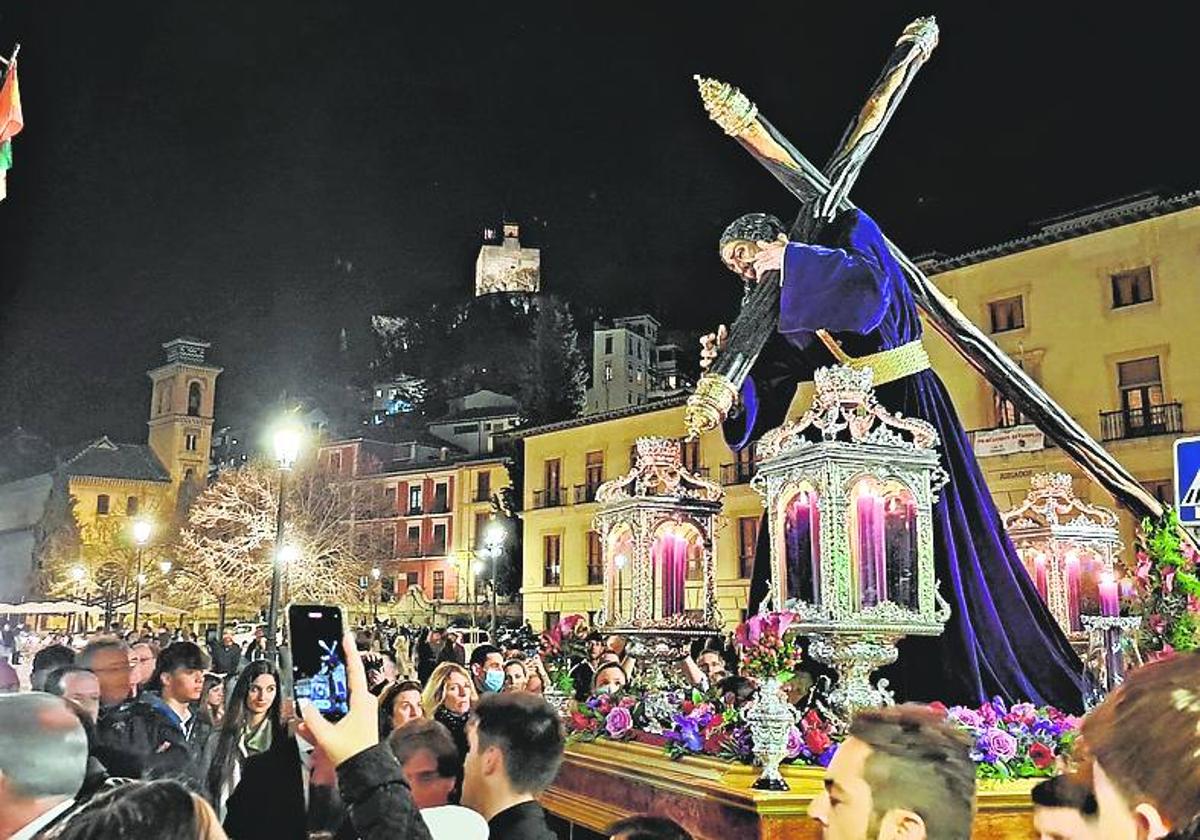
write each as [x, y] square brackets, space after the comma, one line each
[1150, 420]
[739, 473]
[553, 497]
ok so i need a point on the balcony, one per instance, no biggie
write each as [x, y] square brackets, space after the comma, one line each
[1151, 420]
[416, 551]
[585, 493]
[439, 506]
[482, 495]
[554, 497]
[739, 473]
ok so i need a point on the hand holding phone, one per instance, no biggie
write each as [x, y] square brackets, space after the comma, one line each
[358, 730]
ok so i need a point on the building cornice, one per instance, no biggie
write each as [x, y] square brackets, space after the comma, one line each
[601, 417]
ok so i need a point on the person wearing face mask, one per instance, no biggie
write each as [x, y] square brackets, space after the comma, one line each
[610, 678]
[487, 669]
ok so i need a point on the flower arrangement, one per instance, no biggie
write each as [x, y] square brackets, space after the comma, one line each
[561, 647]
[1167, 577]
[766, 650]
[1018, 742]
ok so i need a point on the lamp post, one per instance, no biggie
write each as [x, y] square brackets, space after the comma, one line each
[375, 573]
[494, 546]
[287, 450]
[141, 535]
[78, 573]
[477, 569]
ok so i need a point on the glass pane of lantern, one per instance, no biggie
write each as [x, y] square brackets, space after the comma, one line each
[900, 539]
[802, 546]
[669, 551]
[1090, 570]
[867, 543]
[620, 559]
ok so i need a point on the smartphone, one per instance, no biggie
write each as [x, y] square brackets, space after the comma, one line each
[318, 661]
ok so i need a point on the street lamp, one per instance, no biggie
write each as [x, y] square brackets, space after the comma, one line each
[375, 573]
[78, 573]
[142, 529]
[477, 569]
[494, 547]
[287, 441]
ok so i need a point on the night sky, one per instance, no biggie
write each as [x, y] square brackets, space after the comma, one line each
[265, 173]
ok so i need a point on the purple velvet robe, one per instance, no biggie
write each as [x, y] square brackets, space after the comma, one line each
[1001, 639]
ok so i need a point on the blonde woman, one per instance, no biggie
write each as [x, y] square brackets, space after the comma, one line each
[448, 699]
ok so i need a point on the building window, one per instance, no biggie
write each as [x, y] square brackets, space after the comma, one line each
[483, 486]
[131, 506]
[413, 538]
[190, 473]
[439, 538]
[481, 524]
[189, 442]
[193, 409]
[441, 497]
[1130, 287]
[102, 504]
[335, 462]
[412, 579]
[389, 499]
[1162, 489]
[551, 560]
[608, 372]
[1003, 409]
[595, 565]
[1007, 314]
[608, 345]
[439, 585]
[747, 544]
[414, 500]
[593, 473]
[1140, 381]
[551, 619]
[552, 473]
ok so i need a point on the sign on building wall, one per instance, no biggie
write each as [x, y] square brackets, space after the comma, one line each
[1187, 480]
[1008, 441]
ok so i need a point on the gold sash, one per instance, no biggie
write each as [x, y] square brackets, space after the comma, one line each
[887, 365]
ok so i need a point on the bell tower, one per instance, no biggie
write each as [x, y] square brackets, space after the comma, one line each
[181, 410]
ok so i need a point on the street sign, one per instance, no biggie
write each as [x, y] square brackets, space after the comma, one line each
[1187, 480]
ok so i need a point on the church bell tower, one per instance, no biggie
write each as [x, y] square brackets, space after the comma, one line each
[181, 410]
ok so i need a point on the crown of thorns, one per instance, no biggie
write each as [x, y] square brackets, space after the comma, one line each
[752, 227]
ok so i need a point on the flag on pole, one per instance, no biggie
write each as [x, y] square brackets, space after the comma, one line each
[11, 123]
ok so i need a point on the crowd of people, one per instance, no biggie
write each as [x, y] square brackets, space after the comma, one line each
[147, 737]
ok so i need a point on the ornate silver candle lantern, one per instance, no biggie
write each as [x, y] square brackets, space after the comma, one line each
[849, 490]
[1069, 548]
[656, 535]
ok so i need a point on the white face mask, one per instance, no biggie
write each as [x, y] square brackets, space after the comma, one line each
[608, 688]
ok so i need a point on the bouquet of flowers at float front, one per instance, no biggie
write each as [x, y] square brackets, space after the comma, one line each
[561, 647]
[1018, 742]
[766, 652]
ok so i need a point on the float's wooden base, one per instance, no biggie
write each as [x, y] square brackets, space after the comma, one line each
[603, 781]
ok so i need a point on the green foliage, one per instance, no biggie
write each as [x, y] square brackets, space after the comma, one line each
[1168, 583]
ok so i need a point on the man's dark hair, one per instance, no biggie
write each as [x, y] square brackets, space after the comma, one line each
[163, 809]
[752, 227]
[481, 653]
[643, 827]
[595, 637]
[186, 655]
[1065, 791]
[527, 732]
[425, 734]
[51, 657]
[741, 688]
[54, 680]
[919, 762]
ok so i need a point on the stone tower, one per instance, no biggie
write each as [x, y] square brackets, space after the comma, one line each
[181, 410]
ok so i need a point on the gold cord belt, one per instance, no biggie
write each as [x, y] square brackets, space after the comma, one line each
[887, 365]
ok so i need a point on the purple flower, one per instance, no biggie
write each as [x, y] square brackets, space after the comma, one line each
[618, 722]
[967, 717]
[998, 743]
[795, 742]
[1024, 712]
[827, 756]
[686, 733]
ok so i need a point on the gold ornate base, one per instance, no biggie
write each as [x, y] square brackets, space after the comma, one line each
[602, 782]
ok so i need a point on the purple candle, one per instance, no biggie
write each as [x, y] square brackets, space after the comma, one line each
[1039, 574]
[1073, 590]
[1110, 603]
[871, 559]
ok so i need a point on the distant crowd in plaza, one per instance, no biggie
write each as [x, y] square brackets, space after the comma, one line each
[158, 734]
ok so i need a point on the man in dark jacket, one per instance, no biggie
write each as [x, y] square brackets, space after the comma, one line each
[226, 656]
[516, 747]
[179, 679]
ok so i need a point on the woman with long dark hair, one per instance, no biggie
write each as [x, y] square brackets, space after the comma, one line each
[254, 777]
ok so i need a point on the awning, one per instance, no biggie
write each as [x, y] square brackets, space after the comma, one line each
[150, 608]
[50, 608]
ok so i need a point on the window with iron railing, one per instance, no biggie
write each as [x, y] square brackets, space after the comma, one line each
[595, 562]
[551, 560]
[747, 544]
[439, 585]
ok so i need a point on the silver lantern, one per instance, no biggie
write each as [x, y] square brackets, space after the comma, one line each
[849, 490]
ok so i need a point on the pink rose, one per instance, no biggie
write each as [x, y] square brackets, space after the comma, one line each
[1024, 712]
[618, 722]
[1168, 579]
[1000, 744]
[795, 742]
[1142, 571]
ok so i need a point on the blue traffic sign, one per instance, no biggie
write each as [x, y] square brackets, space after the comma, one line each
[1187, 480]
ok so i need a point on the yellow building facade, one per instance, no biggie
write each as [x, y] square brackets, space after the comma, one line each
[1100, 309]
[564, 463]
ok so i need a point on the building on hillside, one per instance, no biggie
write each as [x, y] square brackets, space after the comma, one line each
[1099, 308]
[394, 398]
[108, 482]
[432, 511]
[630, 367]
[231, 448]
[564, 464]
[504, 266]
[474, 420]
